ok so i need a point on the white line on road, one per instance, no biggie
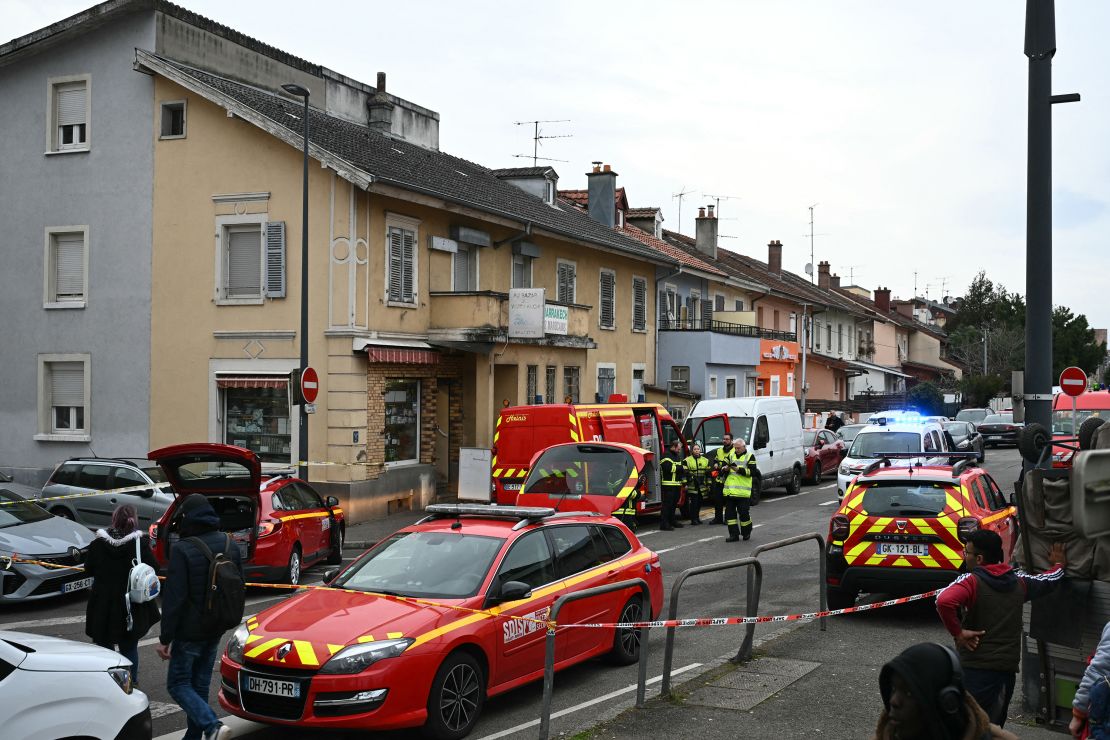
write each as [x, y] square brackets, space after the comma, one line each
[585, 704]
[162, 709]
[239, 728]
[57, 621]
[687, 544]
[827, 503]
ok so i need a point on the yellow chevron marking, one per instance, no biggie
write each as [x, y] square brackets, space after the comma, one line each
[1000, 515]
[305, 653]
[366, 638]
[573, 420]
[252, 638]
[573, 435]
[333, 649]
[498, 420]
[856, 551]
[901, 562]
[497, 472]
[394, 635]
[310, 515]
[267, 645]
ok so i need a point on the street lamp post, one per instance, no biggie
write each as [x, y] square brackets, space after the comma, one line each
[302, 437]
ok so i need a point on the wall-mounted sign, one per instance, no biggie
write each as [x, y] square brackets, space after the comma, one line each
[526, 313]
[779, 352]
[443, 244]
[555, 319]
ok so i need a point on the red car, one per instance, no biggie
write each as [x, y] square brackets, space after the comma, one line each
[824, 451]
[279, 522]
[352, 657]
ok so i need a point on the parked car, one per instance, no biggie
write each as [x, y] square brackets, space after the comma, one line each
[32, 532]
[967, 438]
[824, 451]
[87, 474]
[362, 660]
[973, 415]
[62, 688]
[279, 522]
[848, 432]
[903, 435]
[8, 483]
[1000, 429]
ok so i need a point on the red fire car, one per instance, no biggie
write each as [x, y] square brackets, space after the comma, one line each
[279, 522]
[824, 451]
[358, 655]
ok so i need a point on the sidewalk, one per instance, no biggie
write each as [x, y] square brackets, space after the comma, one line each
[365, 535]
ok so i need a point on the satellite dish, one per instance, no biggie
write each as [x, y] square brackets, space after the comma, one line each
[809, 268]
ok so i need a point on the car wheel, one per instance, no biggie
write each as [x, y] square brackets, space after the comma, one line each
[1032, 442]
[757, 490]
[1087, 432]
[816, 474]
[841, 598]
[626, 642]
[293, 570]
[63, 512]
[456, 698]
[982, 454]
[335, 557]
[795, 484]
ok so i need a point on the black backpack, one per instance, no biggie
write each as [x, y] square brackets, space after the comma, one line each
[225, 593]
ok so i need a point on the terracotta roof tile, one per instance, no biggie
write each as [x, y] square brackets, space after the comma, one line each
[671, 251]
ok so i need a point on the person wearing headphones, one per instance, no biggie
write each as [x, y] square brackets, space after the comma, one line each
[924, 699]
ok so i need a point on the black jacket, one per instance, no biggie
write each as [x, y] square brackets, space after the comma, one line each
[109, 563]
[187, 576]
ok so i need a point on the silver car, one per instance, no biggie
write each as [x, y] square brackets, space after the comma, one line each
[32, 532]
[91, 474]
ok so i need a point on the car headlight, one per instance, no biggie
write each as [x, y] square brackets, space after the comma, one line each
[844, 470]
[357, 658]
[122, 677]
[236, 643]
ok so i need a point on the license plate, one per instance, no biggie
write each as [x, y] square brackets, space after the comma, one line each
[994, 436]
[511, 486]
[273, 687]
[899, 548]
[78, 585]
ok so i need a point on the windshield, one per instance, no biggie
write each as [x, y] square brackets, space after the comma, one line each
[580, 470]
[874, 444]
[156, 474]
[848, 433]
[1061, 419]
[712, 432]
[956, 428]
[809, 439]
[446, 565]
[999, 419]
[15, 510]
[899, 499]
[973, 415]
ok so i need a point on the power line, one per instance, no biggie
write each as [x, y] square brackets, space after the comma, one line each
[536, 136]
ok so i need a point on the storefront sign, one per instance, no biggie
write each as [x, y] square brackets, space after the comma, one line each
[555, 319]
[780, 352]
[526, 313]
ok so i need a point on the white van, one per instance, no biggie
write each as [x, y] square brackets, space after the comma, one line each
[771, 427]
[900, 436]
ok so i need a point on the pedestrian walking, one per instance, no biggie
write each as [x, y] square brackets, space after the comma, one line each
[834, 421]
[924, 698]
[738, 493]
[721, 459]
[111, 619]
[671, 474]
[988, 637]
[1090, 709]
[697, 482]
[199, 590]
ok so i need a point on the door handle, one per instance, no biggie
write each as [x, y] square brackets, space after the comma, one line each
[112, 500]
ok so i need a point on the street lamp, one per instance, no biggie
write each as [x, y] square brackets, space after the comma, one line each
[302, 438]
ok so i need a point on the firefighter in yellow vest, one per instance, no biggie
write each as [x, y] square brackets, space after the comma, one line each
[738, 494]
[626, 511]
[671, 475]
[724, 455]
[697, 482]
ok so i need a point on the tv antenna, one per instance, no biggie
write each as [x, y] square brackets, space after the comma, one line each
[943, 286]
[537, 136]
[718, 199]
[851, 273]
[682, 193]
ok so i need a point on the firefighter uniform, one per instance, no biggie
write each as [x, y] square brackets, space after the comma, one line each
[697, 484]
[738, 496]
[671, 475]
[721, 459]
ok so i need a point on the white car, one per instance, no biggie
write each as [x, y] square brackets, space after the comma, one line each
[901, 437]
[62, 688]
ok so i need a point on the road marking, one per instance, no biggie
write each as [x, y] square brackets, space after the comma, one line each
[162, 709]
[791, 497]
[584, 705]
[645, 534]
[57, 621]
[239, 728]
[687, 544]
[827, 503]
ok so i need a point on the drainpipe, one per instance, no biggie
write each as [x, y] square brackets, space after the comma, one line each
[658, 280]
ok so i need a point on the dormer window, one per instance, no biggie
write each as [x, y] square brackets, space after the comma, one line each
[549, 192]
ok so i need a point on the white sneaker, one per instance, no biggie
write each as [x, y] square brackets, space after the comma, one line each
[222, 732]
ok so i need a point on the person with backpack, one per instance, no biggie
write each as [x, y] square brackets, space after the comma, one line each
[202, 598]
[115, 618]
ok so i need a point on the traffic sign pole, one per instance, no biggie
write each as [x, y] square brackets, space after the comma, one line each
[1073, 382]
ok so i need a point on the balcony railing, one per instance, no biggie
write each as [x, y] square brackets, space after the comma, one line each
[722, 327]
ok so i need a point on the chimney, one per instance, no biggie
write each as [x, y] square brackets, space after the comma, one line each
[834, 281]
[380, 108]
[774, 256]
[705, 232]
[823, 274]
[905, 308]
[602, 192]
[882, 300]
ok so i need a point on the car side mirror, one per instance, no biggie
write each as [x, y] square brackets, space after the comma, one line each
[330, 574]
[146, 492]
[510, 591]
[331, 501]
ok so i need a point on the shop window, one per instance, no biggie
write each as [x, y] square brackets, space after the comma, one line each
[256, 416]
[402, 420]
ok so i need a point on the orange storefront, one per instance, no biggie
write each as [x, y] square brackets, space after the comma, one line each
[777, 370]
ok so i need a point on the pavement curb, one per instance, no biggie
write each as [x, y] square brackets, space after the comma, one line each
[358, 545]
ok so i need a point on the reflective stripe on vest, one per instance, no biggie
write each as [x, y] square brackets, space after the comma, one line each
[697, 469]
[668, 468]
[739, 483]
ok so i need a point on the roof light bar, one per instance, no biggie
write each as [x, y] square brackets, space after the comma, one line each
[486, 510]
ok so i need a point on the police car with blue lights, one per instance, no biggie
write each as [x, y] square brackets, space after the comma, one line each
[894, 432]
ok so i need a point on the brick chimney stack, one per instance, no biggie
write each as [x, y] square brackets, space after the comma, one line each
[823, 274]
[705, 232]
[834, 281]
[882, 300]
[602, 192]
[774, 256]
[379, 108]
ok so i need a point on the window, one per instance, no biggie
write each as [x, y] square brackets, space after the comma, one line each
[671, 304]
[929, 445]
[129, 478]
[638, 384]
[793, 323]
[576, 550]
[719, 303]
[680, 374]
[618, 543]
[464, 268]
[790, 384]
[564, 280]
[549, 192]
[570, 384]
[252, 260]
[739, 305]
[528, 561]
[608, 299]
[95, 477]
[817, 334]
[549, 384]
[522, 271]
[730, 387]
[828, 337]
[402, 420]
[840, 339]
[776, 385]
[695, 308]
[532, 382]
[759, 317]
[639, 304]
[256, 415]
[69, 114]
[66, 280]
[400, 275]
[775, 326]
[606, 381]
[173, 120]
[63, 397]
[712, 386]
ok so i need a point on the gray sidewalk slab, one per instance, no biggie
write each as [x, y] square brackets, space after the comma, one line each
[364, 535]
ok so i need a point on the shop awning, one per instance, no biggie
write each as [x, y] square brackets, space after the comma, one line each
[252, 381]
[397, 356]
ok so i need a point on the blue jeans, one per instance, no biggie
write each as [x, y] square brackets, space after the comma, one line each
[992, 691]
[129, 650]
[1098, 712]
[188, 680]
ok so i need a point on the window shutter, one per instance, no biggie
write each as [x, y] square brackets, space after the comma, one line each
[719, 303]
[662, 303]
[739, 305]
[706, 314]
[244, 264]
[275, 259]
[565, 289]
[67, 384]
[462, 268]
[70, 104]
[408, 258]
[639, 304]
[395, 273]
[69, 261]
[608, 300]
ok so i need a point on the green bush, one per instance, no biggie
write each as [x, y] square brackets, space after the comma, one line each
[978, 390]
[926, 398]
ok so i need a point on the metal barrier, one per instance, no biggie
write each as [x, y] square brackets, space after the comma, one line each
[549, 660]
[751, 607]
[823, 586]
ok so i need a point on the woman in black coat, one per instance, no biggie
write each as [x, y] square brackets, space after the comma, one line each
[109, 561]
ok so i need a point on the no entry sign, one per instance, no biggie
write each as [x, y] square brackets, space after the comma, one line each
[310, 385]
[1073, 381]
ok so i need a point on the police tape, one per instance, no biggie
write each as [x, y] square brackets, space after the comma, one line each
[7, 561]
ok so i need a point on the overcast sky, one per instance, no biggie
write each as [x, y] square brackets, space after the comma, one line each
[904, 121]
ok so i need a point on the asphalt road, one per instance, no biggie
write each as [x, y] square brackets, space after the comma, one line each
[591, 692]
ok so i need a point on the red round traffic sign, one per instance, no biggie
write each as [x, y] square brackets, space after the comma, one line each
[310, 385]
[1073, 381]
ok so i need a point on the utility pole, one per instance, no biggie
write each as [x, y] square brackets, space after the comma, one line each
[812, 259]
[986, 334]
